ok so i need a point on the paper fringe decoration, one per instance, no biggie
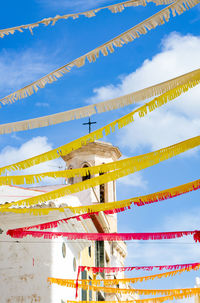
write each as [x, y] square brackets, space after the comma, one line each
[115, 8]
[108, 208]
[184, 82]
[152, 277]
[109, 270]
[131, 165]
[20, 233]
[178, 7]
[174, 296]
[56, 223]
[91, 137]
[63, 282]
[117, 206]
[112, 282]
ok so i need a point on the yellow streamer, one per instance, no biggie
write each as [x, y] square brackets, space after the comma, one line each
[178, 7]
[191, 78]
[98, 134]
[194, 292]
[131, 165]
[115, 8]
[112, 282]
[184, 188]
[66, 283]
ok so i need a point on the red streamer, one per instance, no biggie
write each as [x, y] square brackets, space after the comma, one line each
[21, 233]
[96, 270]
[161, 196]
[54, 224]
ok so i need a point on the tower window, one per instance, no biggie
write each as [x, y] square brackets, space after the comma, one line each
[89, 251]
[102, 191]
[88, 176]
[71, 180]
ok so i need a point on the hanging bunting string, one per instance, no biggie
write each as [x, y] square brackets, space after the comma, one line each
[108, 270]
[171, 297]
[98, 134]
[115, 8]
[66, 283]
[56, 223]
[20, 233]
[107, 207]
[132, 165]
[114, 207]
[175, 87]
[178, 7]
[112, 282]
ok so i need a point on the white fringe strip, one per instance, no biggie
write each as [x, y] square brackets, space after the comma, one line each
[115, 8]
[142, 28]
[101, 107]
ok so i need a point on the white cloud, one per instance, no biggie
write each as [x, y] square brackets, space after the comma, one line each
[19, 68]
[33, 147]
[134, 180]
[176, 121]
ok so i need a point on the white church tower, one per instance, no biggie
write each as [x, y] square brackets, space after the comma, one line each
[102, 253]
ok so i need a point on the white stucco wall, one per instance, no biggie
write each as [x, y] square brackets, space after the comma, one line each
[25, 264]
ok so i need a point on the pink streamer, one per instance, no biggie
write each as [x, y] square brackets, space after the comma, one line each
[56, 223]
[167, 195]
[96, 270]
[21, 233]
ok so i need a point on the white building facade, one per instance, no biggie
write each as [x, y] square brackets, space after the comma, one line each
[25, 264]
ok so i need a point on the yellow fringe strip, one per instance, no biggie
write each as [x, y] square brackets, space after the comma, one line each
[178, 7]
[194, 292]
[174, 90]
[112, 282]
[184, 188]
[98, 134]
[115, 8]
[131, 165]
[183, 82]
[75, 210]
[66, 283]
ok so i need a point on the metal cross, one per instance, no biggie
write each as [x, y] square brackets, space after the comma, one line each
[89, 123]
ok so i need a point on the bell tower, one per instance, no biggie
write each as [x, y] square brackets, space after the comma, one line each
[95, 153]
[100, 253]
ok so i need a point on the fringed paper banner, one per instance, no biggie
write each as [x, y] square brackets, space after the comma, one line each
[115, 8]
[111, 282]
[174, 296]
[108, 270]
[91, 137]
[56, 223]
[178, 7]
[131, 165]
[20, 233]
[117, 206]
[147, 278]
[174, 88]
[67, 283]
[107, 208]
[145, 292]
[167, 194]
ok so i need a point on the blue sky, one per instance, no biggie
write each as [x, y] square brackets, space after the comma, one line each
[168, 51]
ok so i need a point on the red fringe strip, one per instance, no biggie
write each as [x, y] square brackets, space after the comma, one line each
[21, 233]
[161, 196]
[54, 224]
[96, 270]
